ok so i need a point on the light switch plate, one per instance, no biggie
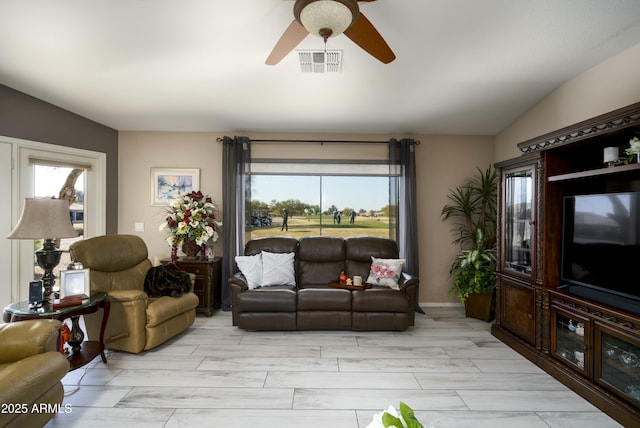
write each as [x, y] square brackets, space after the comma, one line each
[139, 227]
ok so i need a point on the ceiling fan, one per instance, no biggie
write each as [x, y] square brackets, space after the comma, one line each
[328, 18]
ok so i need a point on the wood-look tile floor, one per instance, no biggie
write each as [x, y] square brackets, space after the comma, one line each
[448, 368]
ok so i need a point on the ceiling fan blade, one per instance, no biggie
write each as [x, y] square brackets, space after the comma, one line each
[364, 34]
[291, 37]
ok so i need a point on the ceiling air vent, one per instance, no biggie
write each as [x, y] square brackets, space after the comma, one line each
[320, 61]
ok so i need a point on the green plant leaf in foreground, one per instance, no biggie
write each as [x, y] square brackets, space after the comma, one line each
[409, 417]
[388, 420]
[410, 421]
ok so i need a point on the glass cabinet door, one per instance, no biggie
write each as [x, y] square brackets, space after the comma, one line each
[618, 365]
[569, 343]
[518, 220]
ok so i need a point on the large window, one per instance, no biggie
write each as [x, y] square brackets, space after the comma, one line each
[310, 205]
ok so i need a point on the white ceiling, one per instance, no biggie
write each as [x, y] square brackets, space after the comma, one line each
[462, 67]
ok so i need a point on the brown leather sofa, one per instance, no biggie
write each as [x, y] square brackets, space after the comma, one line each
[31, 368]
[311, 303]
[118, 265]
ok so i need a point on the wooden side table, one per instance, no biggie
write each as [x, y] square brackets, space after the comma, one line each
[207, 284]
[83, 351]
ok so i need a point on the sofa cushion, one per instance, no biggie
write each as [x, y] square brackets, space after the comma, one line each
[386, 272]
[324, 299]
[270, 299]
[359, 250]
[251, 268]
[320, 259]
[277, 269]
[380, 299]
[272, 244]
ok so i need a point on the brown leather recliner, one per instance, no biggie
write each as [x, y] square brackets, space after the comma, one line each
[31, 368]
[311, 304]
[118, 265]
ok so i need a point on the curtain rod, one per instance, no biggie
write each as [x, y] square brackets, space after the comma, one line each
[416, 142]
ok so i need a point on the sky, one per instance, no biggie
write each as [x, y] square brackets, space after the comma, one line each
[368, 193]
[49, 180]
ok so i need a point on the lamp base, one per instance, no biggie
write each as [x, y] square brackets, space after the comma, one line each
[48, 258]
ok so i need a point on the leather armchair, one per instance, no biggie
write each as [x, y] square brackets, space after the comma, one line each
[31, 368]
[118, 265]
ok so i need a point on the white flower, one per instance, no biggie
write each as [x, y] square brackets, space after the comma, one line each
[190, 217]
[634, 146]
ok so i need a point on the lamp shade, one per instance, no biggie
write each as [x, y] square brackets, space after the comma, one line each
[44, 218]
[326, 18]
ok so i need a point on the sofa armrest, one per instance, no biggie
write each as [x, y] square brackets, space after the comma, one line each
[27, 379]
[407, 280]
[411, 285]
[26, 338]
[127, 295]
[239, 282]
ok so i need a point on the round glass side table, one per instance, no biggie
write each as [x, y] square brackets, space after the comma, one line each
[82, 351]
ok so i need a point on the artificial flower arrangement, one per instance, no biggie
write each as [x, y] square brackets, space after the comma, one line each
[390, 418]
[633, 151]
[191, 218]
[634, 146]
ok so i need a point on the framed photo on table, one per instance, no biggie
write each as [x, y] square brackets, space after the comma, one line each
[74, 283]
[171, 183]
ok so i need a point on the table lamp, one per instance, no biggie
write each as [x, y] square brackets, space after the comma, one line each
[48, 219]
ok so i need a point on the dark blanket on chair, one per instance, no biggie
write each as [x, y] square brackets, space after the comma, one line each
[166, 280]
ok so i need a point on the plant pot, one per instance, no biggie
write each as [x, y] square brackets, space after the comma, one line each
[480, 306]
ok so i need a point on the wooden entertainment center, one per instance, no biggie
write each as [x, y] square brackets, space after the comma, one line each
[588, 343]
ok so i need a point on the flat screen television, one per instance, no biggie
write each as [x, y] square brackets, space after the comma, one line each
[600, 255]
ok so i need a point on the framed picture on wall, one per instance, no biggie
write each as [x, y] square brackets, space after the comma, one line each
[168, 184]
[74, 282]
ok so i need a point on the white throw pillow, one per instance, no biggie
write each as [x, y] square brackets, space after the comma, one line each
[386, 272]
[251, 268]
[277, 269]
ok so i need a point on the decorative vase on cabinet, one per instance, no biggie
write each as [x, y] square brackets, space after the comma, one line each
[191, 249]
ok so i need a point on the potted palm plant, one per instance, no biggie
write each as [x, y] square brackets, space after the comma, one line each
[473, 210]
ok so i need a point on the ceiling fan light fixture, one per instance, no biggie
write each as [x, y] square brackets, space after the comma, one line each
[326, 18]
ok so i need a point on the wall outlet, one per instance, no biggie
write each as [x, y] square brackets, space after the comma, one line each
[139, 227]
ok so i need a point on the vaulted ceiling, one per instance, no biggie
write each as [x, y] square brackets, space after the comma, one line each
[462, 66]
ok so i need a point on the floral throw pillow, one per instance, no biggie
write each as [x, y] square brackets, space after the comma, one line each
[386, 272]
[251, 268]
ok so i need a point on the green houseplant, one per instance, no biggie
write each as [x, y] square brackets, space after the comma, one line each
[473, 211]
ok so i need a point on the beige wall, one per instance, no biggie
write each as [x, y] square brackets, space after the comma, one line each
[442, 163]
[608, 86]
[143, 150]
